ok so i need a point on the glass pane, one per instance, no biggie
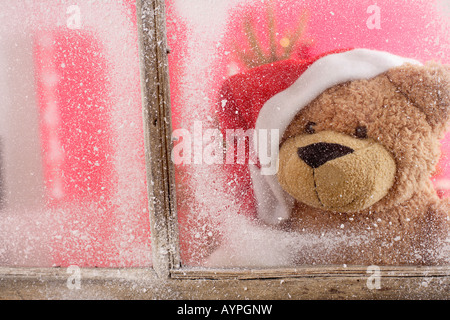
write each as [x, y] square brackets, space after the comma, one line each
[73, 186]
[217, 83]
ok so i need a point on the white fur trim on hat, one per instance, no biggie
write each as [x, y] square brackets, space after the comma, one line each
[278, 112]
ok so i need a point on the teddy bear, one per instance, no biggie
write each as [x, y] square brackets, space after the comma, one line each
[359, 134]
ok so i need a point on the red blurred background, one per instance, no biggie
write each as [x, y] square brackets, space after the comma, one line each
[76, 98]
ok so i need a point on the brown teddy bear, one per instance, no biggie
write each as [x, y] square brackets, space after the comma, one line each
[359, 138]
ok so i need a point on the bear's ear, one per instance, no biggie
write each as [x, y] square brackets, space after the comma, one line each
[428, 88]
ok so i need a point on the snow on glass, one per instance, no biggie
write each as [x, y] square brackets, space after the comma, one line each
[72, 168]
[211, 40]
[73, 189]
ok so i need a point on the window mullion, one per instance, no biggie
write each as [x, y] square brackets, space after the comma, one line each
[157, 134]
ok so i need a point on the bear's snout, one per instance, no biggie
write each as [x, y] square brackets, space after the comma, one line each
[335, 171]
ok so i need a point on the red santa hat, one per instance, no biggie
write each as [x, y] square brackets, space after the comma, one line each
[269, 97]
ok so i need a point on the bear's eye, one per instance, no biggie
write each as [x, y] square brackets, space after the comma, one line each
[309, 128]
[361, 132]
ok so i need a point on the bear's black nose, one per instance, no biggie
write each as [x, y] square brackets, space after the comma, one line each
[317, 154]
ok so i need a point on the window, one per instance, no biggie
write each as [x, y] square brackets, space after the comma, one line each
[202, 233]
[73, 164]
[210, 43]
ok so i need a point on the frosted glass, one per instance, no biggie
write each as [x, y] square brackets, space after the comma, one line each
[213, 40]
[73, 185]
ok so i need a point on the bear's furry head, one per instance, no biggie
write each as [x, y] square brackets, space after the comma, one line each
[359, 129]
[367, 143]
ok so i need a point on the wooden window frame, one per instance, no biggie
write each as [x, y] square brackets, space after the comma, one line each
[167, 279]
[155, 90]
[156, 97]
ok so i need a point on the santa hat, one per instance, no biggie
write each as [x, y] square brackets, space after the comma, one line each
[269, 97]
